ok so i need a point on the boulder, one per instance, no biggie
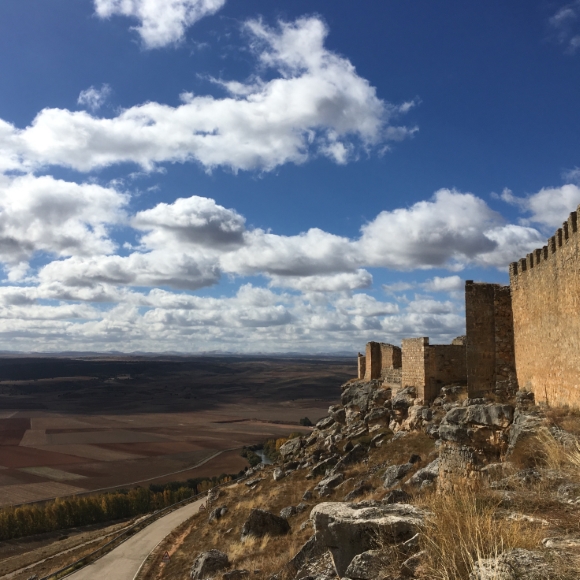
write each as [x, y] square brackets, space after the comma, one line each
[395, 473]
[428, 473]
[326, 486]
[492, 415]
[513, 565]
[291, 447]
[325, 423]
[410, 566]
[292, 510]
[322, 467]
[356, 454]
[380, 415]
[397, 496]
[404, 399]
[208, 563]
[261, 523]
[350, 529]
[360, 489]
[368, 565]
[218, 513]
[309, 551]
[339, 415]
[278, 474]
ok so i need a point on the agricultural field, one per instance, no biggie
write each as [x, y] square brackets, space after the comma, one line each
[76, 425]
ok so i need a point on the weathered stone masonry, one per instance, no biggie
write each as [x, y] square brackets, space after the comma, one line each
[490, 339]
[429, 367]
[545, 291]
[525, 335]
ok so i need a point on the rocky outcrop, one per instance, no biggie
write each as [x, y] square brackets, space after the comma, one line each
[261, 523]
[207, 564]
[513, 565]
[351, 529]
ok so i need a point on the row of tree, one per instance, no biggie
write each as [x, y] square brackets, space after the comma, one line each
[71, 512]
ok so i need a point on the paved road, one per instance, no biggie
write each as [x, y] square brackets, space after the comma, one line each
[124, 562]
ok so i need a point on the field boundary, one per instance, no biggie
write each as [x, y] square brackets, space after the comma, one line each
[123, 485]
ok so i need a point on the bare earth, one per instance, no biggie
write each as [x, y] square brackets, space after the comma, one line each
[75, 425]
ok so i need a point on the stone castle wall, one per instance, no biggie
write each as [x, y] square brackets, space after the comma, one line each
[430, 367]
[380, 359]
[545, 290]
[490, 339]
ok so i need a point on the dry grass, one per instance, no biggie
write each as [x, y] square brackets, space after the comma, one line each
[466, 527]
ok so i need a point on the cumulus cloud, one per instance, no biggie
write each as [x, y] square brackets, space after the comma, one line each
[343, 282]
[157, 268]
[548, 207]
[93, 98]
[316, 105]
[43, 214]
[444, 284]
[193, 221]
[312, 253]
[565, 24]
[162, 22]
[451, 227]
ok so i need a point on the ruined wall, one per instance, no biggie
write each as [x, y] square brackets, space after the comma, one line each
[430, 367]
[381, 358]
[490, 339]
[361, 366]
[446, 365]
[545, 289]
[414, 367]
[373, 361]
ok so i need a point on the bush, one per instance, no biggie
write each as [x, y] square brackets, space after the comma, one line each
[306, 422]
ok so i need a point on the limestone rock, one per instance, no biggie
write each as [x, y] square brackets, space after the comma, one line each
[360, 489]
[410, 565]
[350, 529]
[395, 473]
[261, 523]
[322, 467]
[218, 513]
[208, 563]
[367, 566]
[493, 415]
[513, 565]
[291, 447]
[404, 399]
[356, 454]
[326, 486]
[428, 473]
[278, 474]
[397, 496]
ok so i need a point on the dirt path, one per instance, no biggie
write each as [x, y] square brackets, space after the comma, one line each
[124, 562]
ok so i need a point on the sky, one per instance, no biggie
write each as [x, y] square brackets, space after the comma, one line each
[270, 176]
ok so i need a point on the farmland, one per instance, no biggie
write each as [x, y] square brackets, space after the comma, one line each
[74, 425]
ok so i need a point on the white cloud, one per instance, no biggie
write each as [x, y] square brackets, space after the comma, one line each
[449, 228]
[343, 282]
[317, 105]
[565, 24]
[157, 268]
[162, 22]
[312, 253]
[190, 222]
[549, 207]
[446, 284]
[397, 287]
[93, 98]
[43, 214]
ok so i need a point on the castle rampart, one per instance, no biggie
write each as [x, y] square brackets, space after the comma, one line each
[490, 339]
[380, 359]
[545, 292]
[429, 367]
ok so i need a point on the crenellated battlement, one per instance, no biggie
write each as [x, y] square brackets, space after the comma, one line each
[566, 234]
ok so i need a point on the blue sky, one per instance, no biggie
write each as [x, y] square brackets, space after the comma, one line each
[202, 175]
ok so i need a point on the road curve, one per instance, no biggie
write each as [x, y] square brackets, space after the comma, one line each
[123, 562]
